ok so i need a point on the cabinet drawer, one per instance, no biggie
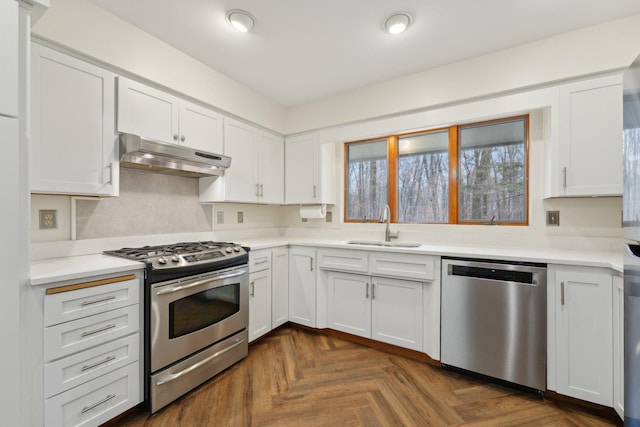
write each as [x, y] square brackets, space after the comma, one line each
[92, 298]
[97, 401]
[71, 337]
[344, 260]
[259, 260]
[411, 266]
[72, 371]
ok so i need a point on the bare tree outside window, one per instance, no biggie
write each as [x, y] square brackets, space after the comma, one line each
[366, 180]
[492, 172]
[423, 178]
[484, 176]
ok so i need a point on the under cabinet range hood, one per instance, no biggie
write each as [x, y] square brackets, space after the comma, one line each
[151, 155]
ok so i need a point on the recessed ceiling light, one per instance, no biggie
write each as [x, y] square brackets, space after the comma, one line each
[396, 23]
[240, 20]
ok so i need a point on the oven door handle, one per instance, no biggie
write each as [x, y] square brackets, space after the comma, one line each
[191, 368]
[201, 282]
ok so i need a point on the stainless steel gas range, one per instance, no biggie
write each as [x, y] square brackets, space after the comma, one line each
[196, 314]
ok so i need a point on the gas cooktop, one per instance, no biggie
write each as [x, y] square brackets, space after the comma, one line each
[183, 255]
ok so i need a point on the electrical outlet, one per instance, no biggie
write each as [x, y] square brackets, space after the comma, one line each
[329, 217]
[553, 218]
[220, 217]
[48, 219]
[240, 217]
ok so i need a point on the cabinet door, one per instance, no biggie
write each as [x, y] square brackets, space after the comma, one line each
[271, 168]
[618, 345]
[241, 179]
[590, 142]
[9, 58]
[73, 140]
[302, 286]
[350, 303]
[279, 287]
[259, 304]
[396, 314]
[200, 128]
[147, 112]
[301, 169]
[584, 336]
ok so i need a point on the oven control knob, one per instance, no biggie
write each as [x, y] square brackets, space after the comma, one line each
[236, 248]
[229, 250]
[162, 260]
[175, 258]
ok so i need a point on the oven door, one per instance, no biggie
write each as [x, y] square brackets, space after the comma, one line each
[192, 313]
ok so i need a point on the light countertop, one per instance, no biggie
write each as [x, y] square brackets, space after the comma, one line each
[53, 270]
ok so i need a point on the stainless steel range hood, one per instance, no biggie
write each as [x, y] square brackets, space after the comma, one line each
[151, 155]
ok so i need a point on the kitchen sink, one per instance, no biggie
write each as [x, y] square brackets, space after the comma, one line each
[386, 244]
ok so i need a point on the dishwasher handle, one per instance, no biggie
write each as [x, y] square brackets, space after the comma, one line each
[520, 275]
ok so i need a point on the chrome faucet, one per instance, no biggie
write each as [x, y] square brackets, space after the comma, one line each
[386, 216]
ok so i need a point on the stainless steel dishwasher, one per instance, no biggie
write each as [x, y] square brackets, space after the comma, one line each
[493, 319]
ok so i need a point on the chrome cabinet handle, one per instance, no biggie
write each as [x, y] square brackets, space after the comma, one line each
[96, 301]
[106, 399]
[562, 293]
[95, 365]
[310, 263]
[564, 178]
[366, 295]
[110, 166]
[182, 138]
[199, 364]
[264, 261]
[201, 282]
[175, 136]
[373, 291]
[95, 331]
[261, 190]
[315, 191]
[253, 288]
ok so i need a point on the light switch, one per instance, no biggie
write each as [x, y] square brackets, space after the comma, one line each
[553, 218]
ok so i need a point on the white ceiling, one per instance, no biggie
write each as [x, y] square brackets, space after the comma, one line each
[303, 50]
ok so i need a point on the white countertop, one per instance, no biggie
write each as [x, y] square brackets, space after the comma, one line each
[53, 270]
[612, 260]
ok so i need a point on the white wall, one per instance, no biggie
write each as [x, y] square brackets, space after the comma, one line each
[597, 49]
[81, 26]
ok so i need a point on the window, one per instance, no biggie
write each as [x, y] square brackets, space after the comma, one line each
[465, 174]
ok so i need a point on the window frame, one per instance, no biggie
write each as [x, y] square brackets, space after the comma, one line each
[454, 164]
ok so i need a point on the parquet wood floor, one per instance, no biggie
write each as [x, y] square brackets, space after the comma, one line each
[296, 377]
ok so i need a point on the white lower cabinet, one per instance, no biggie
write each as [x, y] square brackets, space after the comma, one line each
[268, 290]
[582, 363]
[385, 309]
[618, 345]
[302, 286]
[279, 286]
[92, 342]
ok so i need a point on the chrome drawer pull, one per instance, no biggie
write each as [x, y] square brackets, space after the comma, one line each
[266, 260]
[102, 362]
[106, 399]
[96, 301]
[106, 328]
[177, 375]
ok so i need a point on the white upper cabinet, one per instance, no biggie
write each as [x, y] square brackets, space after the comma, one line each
[256, 174]
[9, 58]
[200, 127]
[152, 113]
[73, 140]
[308, 170]
[589, 139]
